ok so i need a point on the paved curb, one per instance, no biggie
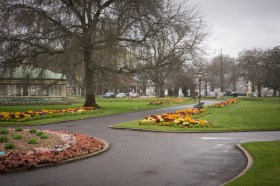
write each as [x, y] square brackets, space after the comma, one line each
[209, 131]
[248, 166]
[160, 131]
[106, 147]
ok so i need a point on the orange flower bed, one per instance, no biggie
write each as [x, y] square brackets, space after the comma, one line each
[168, 101]
[181, 118]
[224, 103]
[29, 115]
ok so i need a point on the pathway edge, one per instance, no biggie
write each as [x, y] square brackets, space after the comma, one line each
[248, 166]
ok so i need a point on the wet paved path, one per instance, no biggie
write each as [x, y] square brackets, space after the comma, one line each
[145, 158]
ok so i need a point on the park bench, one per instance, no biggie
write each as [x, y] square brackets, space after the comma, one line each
[199, 105]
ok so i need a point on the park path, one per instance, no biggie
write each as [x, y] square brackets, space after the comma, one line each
[145, 158]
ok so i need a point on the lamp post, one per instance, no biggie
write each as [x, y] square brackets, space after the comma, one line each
[199, 86]
[221, 70]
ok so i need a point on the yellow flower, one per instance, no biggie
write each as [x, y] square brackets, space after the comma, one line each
[202, 122]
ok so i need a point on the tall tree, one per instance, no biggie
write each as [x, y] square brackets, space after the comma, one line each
[231, 73]
[183, 78]
[30, 28]
[252, 63]
[213, 73]
[272, 70]
[173, 45]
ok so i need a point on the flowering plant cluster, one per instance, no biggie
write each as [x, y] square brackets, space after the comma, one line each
[181, 118]
[148, 99]
[72, 145]
[167, 101]
[224, 103]
[31, 115]
[26, 102]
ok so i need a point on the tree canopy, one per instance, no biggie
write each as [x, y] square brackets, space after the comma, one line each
[78, 31]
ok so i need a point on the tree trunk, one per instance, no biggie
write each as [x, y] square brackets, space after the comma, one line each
[176, 92]
[253, 87]
[161, 91]
[259, 90]
[274, 88]
[89, 79]
[170, 92]
[192, 92]
[185, 91]
[274, 92]
[75, 89]
[234, 87]
[205, 89]
[158, 89]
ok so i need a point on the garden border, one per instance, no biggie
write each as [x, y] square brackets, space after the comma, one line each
[248, 166]
[195, 131]
[106, 147]
[58, 122]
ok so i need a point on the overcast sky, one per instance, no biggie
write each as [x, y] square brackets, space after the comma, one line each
[241, 24]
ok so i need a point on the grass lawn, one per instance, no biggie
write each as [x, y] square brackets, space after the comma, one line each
[245, 115]
[108, 108]
[248, 115]
[266, 165]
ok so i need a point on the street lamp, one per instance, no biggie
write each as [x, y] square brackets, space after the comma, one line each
[199, 85]
[221, 70]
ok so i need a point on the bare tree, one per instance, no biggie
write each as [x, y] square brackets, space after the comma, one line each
[272, 70]
[213, 73]
[183, 78]
[173, 45]
[252, 63]
[230, 73]
[30, 28]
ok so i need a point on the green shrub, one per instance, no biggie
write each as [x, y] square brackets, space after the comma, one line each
[17, 136]
[3, 139]
[32, 141]
[18, 129]
[33, 131]
[44, 136]
[9, 145]
[4, 131]
[39, 133]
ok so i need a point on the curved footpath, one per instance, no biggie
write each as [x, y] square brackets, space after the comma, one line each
[146, 158]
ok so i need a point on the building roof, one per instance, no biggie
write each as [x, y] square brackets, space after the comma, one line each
[31, 73]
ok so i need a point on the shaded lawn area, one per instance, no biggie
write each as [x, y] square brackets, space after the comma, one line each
[245, 115]
[108, 108]
[266, 165]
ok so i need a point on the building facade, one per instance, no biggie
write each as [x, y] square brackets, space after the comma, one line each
[35, 82]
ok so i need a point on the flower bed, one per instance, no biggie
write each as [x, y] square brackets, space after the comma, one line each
[59, 146]
[149, 99]
[167, 101]
[28, 103]
[224, 103]
[32, 115]
[181, 118]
